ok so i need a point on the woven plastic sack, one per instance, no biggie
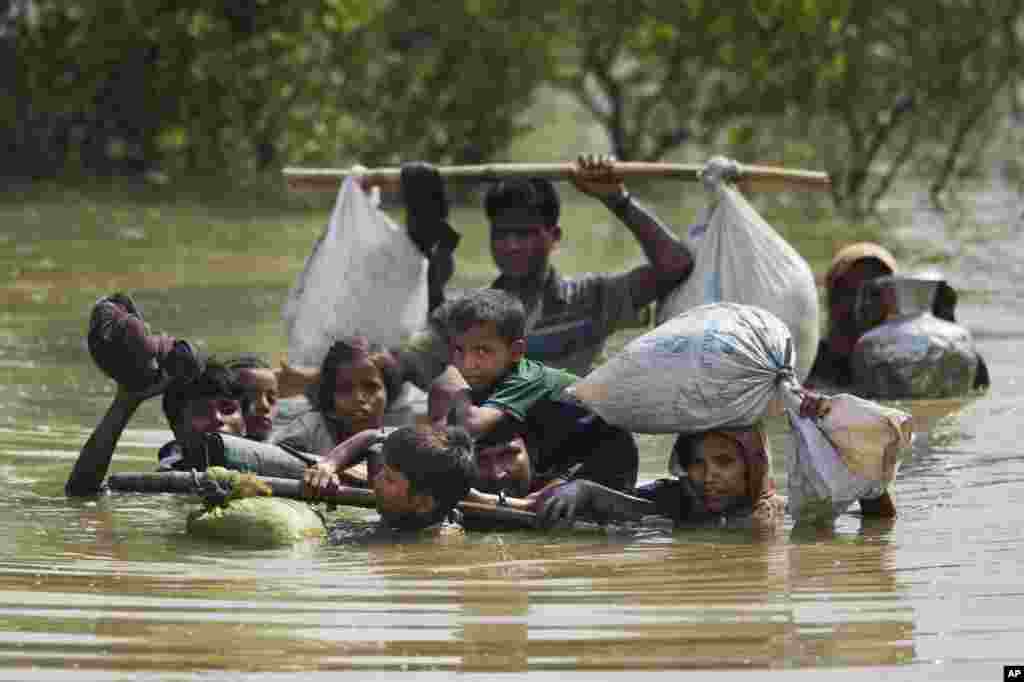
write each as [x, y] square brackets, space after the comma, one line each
[738, 257]
[715, 366]
[364, 276]
[849, 454]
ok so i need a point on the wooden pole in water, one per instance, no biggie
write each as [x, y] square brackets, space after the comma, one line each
[184, 482]
[757, 177]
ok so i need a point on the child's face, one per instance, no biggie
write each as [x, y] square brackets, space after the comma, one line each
[360, 396]
[261, 401]
[393, 499]
[719, 469]
[482, 356]
[211, 415]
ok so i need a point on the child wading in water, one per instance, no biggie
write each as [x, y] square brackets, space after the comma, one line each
[258, 382]
[419, 473]
[359, 382]
[498, 395]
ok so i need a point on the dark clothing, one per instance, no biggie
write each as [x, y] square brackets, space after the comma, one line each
[564, 438]
[569, 323]
[311, 432]
[832, 370]
[835, 371]
[565, 328]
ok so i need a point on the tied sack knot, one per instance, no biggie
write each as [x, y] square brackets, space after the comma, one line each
[719, 169]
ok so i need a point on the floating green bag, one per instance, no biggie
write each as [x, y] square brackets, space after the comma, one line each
[245, 516]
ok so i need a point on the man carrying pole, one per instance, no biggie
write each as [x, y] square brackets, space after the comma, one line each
[568, 319]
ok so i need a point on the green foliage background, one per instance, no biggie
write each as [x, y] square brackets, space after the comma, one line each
[867, 90]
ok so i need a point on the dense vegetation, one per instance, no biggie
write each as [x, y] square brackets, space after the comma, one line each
[868, 90]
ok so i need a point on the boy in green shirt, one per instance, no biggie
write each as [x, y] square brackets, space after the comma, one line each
[501, 397]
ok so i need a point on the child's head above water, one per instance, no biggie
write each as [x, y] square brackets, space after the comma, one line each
[729, 468]
[427, 471]
[486, 330]
[259, 401]
[208, 403]
[358, 381]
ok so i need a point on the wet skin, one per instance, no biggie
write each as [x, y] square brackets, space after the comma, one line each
[393, 499]
[521, 246]
[360, 396]
[718, 468]
[504, 467]
[482, 356]
[261, 395]
[212, 415]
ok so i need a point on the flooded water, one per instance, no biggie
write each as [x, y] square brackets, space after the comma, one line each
[114, 589]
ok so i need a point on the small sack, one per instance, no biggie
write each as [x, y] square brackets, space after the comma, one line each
[364, 277]
[739, 258]
[715, 366]
[851, 453]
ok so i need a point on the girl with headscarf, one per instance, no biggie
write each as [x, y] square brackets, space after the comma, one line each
[721, 477]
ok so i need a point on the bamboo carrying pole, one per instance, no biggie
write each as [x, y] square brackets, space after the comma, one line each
[184, 482]
[757, 177]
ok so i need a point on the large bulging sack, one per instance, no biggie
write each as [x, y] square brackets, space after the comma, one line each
[851, 453]
[739, 258]
[258, 522]
[714, 366]
[914, 357]
[364, 276]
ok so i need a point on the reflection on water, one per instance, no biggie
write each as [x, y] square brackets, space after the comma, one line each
[115, 584]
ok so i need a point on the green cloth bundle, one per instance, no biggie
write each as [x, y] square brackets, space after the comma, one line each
[247, 516]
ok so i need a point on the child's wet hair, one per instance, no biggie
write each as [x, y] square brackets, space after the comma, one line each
[486, 305]
[533, 195]
[437, 461]
[353, 349]
[216, 381]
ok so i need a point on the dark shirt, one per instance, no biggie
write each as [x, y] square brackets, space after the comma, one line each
[566, 327]
[564, 438]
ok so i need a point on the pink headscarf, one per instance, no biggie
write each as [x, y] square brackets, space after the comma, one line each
[753, 448]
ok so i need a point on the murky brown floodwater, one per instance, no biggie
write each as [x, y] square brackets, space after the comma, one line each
[115, 588]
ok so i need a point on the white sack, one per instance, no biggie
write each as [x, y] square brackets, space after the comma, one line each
[364, 276]
[738, 257]
[713, 366]
[849, 454]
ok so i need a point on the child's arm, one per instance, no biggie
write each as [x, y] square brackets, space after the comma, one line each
[448, 392]
[89, 470]
[322, 475]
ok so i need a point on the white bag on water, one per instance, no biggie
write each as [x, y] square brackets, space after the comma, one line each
[713, 366]
[364, 276]
[739, 258]
[849, 454]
